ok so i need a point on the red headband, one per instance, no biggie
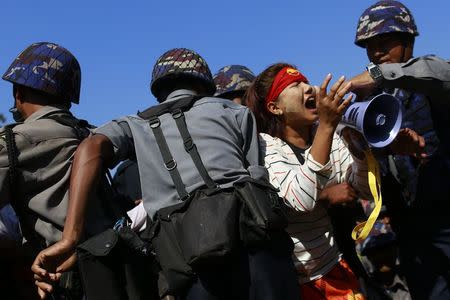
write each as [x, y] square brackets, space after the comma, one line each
[285, 77]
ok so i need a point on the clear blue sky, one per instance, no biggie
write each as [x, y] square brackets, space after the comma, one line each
[117, 42]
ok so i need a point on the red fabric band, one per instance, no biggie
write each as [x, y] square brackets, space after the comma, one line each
[285, 77]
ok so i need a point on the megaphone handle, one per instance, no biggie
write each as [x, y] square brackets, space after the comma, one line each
[362, 230]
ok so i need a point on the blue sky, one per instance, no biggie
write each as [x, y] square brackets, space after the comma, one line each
[117, 42]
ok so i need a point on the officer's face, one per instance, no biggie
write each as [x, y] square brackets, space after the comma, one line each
[17, 106]
[15, 100]
[388, 48]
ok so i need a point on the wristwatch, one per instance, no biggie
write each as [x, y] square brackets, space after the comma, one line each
[375, 72]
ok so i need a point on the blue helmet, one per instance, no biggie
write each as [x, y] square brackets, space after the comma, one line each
[181, 63]
[49, 68]
[381, 236]
[233, 78]
[385, 16]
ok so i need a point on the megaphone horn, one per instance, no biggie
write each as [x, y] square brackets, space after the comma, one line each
[378, 119]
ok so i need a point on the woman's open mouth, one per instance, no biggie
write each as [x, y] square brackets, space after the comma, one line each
[310, 103]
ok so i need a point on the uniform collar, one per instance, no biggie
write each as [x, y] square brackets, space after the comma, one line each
[44, 111]
[177, 94]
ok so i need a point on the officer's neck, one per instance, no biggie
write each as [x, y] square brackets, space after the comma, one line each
[27, 108]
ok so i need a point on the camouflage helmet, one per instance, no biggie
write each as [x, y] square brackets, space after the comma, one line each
[384, 17]
[380, 237]
[181, 63]
[49, 68]
[233, 78]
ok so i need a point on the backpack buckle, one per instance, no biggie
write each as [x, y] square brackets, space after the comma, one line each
[177, 113]
[154, 123]
[170, 165]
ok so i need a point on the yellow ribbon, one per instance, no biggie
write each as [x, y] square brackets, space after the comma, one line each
[362, 230]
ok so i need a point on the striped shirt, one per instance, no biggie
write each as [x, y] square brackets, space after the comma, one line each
[315, 251]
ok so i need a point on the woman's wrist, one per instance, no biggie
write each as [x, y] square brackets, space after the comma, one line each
[326, 128]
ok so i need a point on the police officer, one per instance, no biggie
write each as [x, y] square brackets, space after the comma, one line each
[232, 82]
[225, 136]
[415, 189]
[36, 152]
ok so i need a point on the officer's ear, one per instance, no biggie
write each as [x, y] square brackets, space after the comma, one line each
[407, 41]
[18, 93]
[408, 44]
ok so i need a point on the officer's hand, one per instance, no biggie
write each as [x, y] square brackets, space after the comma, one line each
[363, 85]
[338, 194]
[408, 142]
[50, 263]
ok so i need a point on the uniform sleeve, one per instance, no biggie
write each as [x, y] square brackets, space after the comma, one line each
[429, 75]
[253, 157]
[299, 185]
[119, 133]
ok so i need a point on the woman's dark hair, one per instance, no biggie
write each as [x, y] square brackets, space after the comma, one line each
[255, 99]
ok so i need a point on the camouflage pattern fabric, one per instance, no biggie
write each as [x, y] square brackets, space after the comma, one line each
[384, 17]
[49, 68]
[381, 234]
[417, 116]
[181, 62]
[233, 78]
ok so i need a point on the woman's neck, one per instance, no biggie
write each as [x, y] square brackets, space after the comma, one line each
[300, 137]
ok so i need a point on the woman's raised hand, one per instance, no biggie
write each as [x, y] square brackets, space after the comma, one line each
[331, 105]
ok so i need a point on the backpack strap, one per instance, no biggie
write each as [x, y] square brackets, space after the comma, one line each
[82, 127]
[176, 109]
[169, 161]
[191, 148]
[184, 104]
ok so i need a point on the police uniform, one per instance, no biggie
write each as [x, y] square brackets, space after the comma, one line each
[225, 135]
[42, 147]
[36, 153]
[422, 223]
[46, 149]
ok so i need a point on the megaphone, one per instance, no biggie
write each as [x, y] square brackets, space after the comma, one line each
[378, 119]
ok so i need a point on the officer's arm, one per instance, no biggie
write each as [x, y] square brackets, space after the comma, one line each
[429, 75]
[92, 157]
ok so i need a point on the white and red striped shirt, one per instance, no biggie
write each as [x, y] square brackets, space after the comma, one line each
[315, 251]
